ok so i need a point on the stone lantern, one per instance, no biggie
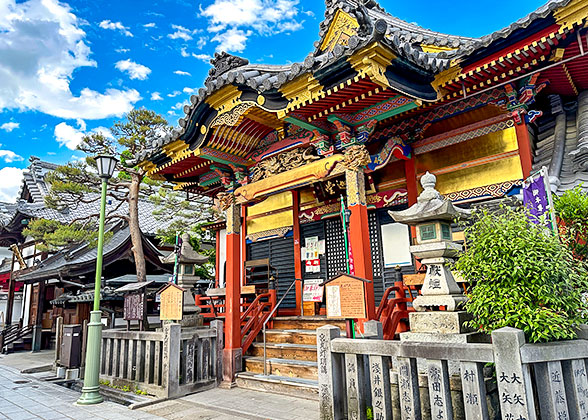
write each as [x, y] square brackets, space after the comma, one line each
[188, 258]
[432, 216]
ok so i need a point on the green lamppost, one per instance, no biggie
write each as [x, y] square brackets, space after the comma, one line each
[91, 389]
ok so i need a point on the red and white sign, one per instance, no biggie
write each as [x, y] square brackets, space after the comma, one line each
[313, 291]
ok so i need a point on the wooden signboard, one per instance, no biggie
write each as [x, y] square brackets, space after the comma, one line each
[172, 302]
[133, 309]
[346, 297]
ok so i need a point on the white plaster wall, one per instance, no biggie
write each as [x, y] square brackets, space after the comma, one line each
[16, 311]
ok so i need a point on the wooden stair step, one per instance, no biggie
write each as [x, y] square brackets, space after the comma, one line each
[299, 387]
[293, 336]
[285, 351]
[291, 368]
[305, 322]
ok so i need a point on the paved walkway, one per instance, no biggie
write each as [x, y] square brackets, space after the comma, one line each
[236, 403]
[23, 397]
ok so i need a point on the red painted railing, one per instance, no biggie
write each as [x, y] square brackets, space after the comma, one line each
[393, 310]
[253, 318]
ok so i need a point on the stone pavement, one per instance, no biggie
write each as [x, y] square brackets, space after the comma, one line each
[236, 403]
[24, 397]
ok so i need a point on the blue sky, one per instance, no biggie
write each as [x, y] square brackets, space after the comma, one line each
[69, 68]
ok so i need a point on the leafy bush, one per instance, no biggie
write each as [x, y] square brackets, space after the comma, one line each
[572, 211]
[522, 277]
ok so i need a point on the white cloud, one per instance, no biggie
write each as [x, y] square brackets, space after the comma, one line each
[202, 42]
[135, 70]
[122, 50]
[181, 33]
[9, 156]
[115, 26]
[184, 52]
[71, 137]
[204, 57]
[178, 106]
[174, 93]
[189, 91]
[232, 40]
[42, 45]
[10, 185]
[150, 25]
[68, 136]
[231, 19]
[155, 96]
[182, 73]
[9, 126]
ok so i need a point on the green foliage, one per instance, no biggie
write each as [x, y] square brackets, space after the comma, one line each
[139, 391]
[572, 210]
[53, 235]
[522, 277]
[182, 215]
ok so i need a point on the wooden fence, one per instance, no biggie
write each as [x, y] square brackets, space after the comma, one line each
[170, 363]
[451, 381]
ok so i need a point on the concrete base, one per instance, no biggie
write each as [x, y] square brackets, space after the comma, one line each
[192, 320]
[439, 322]
[60, 372]
[72, 374]
[232, 363]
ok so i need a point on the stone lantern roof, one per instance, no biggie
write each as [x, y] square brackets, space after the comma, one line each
[187, 254]
[430, 206]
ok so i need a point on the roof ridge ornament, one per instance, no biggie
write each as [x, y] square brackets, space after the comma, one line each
[224, 62]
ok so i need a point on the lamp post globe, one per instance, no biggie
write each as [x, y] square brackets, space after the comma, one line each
[91, 390]
[105, 164]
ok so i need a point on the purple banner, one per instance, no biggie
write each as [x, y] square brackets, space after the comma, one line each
[535, 198]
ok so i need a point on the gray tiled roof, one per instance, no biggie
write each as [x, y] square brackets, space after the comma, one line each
[567, 159]
[34, 182]
[60, 264]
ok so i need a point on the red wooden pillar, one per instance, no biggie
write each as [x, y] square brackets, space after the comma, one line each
[297, 250]
[525, 151]
[359, 234]
[232, 353]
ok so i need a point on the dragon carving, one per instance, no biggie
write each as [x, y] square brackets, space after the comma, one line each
[281, 163]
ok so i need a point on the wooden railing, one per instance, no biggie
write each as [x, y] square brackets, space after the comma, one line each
[414, 380]
[255, 315]
[166, 364]
[393, 310]
[211, 307]
[11, 333]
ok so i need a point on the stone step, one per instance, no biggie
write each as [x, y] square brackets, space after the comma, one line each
[290, 368]
[305, 322]
[293, 336]
[298, 387]
[284, 351]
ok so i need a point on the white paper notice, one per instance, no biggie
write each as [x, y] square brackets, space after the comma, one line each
[333, 301]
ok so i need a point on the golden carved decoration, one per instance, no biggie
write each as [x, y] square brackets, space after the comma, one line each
[343, 27]
[331, 185]
[225, 200]
[574, 13]
[356, 157]
[232, 117]
[281, 163]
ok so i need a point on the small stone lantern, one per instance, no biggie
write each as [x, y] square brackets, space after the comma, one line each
[187, 259]
[432, 216]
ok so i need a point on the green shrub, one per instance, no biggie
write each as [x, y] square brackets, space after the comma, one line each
[522, 277]
[572, 210]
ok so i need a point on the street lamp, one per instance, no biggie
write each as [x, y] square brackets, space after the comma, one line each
[90, 391]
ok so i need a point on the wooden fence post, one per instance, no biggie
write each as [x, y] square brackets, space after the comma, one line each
[58, 339]
[218, 325]
[84, 343]
[330, 375]
[171, 359]
[514, 379]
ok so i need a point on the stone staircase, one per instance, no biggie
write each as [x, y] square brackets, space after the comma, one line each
[291, 357]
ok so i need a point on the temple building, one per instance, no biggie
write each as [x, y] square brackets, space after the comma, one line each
[376, 104]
